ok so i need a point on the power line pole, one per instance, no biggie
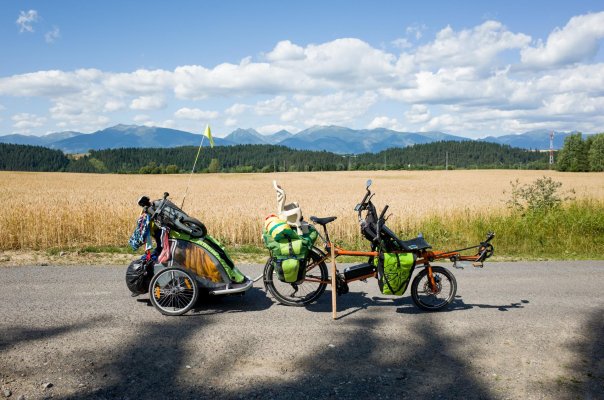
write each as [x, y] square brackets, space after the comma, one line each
[551, 149]
[446, 161]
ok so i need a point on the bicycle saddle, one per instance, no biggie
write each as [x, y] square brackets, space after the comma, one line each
[322, 221]
[419, 243]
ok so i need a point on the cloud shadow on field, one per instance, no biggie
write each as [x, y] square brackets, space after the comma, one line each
[254, 299]
[13, 336]
[366, 363]
[353, 302]
[585, 376]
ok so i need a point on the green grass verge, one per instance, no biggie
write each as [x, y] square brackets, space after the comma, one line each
[574, 231]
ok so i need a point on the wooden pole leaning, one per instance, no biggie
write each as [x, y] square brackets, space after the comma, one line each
[334, 288]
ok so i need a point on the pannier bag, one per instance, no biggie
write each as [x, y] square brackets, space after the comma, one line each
[278, 228]
[290, 251]
[394, 272]
[138, 276]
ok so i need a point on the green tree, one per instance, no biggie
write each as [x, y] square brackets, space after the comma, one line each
[214, 166]
[573, 156]
[172, 169]
[596, 153]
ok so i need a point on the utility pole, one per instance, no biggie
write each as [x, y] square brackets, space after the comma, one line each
[446, 161]
[551, 149]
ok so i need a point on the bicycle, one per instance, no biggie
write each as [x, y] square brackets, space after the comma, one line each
[432, 289]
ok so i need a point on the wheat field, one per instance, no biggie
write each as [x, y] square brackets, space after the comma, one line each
[60, 210]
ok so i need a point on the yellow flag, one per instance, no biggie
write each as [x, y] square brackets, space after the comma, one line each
[208, 134]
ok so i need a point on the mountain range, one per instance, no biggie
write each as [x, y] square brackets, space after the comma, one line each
[335, 139]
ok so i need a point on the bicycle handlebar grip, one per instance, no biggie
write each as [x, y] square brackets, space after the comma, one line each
[384, 211]
[166, 194]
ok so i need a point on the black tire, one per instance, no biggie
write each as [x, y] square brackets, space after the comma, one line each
[428, 300]
[192, 226]
[173, 291]
[298, 294]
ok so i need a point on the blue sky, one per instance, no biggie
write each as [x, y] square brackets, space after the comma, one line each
[469, 68]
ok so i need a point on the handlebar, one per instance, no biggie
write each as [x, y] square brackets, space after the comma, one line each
[383, 212]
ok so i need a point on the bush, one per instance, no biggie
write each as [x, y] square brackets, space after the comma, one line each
[540, 196]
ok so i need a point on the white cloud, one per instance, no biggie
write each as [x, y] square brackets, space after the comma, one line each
[53, 35]
[141, 118]
[482, 78]
[402, 43]
[418, 114]
[114, 105]
[26, 20]
[230, 122]
[577, 41]
[236, 109]
[273, 128]
[339, 108]
[195, 114]
[148, 103]
[286, 51]
[385, 122]
[25, 122]
[477, 48]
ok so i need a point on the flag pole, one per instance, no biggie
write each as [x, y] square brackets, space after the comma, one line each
[192, 170]
[334, 285]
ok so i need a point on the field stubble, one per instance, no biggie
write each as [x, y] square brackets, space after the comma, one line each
[44, 211]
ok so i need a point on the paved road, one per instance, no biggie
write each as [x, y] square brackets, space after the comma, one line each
[515, 331]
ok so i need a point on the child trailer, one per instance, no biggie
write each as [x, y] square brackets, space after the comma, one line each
[189, 261]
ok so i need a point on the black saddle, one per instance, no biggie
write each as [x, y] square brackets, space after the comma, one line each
[322, 221]
[419, 243]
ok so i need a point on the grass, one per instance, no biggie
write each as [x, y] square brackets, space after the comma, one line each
[93, 214]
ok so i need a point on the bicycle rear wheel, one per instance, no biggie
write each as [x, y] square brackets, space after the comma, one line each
[432, 300]
[173, 291]
[300, 293]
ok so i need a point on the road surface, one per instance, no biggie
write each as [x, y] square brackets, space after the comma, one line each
[515, 331]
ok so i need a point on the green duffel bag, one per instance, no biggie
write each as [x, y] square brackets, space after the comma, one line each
[290, 255]
[394, 272]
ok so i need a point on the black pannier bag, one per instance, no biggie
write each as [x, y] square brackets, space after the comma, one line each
[138, 276]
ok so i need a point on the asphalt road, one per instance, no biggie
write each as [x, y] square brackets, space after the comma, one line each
[515, 331]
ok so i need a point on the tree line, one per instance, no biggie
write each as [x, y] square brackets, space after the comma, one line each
[269, 158]
[579, 155]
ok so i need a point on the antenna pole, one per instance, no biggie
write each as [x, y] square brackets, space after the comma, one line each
[192, 170]
[551, 149]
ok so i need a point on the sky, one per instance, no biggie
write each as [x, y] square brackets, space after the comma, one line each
[469, 68]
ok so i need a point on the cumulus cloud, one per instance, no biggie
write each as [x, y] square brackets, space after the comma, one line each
[274, 128]
[475, 48]
[25, 122]
[26, 20]
[385, 122]
[148, 103]
[195, 114]
[482, 78]
[577, 41]
[52, 35]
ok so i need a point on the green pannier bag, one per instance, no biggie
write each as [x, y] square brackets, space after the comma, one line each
[394, 272]
[290, 255]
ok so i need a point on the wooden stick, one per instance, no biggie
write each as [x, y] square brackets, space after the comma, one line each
[334, 288]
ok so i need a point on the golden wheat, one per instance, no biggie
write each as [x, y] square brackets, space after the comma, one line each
[60, 210]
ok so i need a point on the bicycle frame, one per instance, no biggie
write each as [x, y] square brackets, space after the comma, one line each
[424, 258]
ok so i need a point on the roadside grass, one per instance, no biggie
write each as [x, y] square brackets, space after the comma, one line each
[572, 231]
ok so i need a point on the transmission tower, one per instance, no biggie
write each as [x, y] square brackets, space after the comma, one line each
[551, 149]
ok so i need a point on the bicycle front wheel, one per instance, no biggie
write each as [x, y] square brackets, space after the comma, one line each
[433, 299]
[300, 293]
[173, 291]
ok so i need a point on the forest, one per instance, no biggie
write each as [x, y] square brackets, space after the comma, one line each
[268, 158]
